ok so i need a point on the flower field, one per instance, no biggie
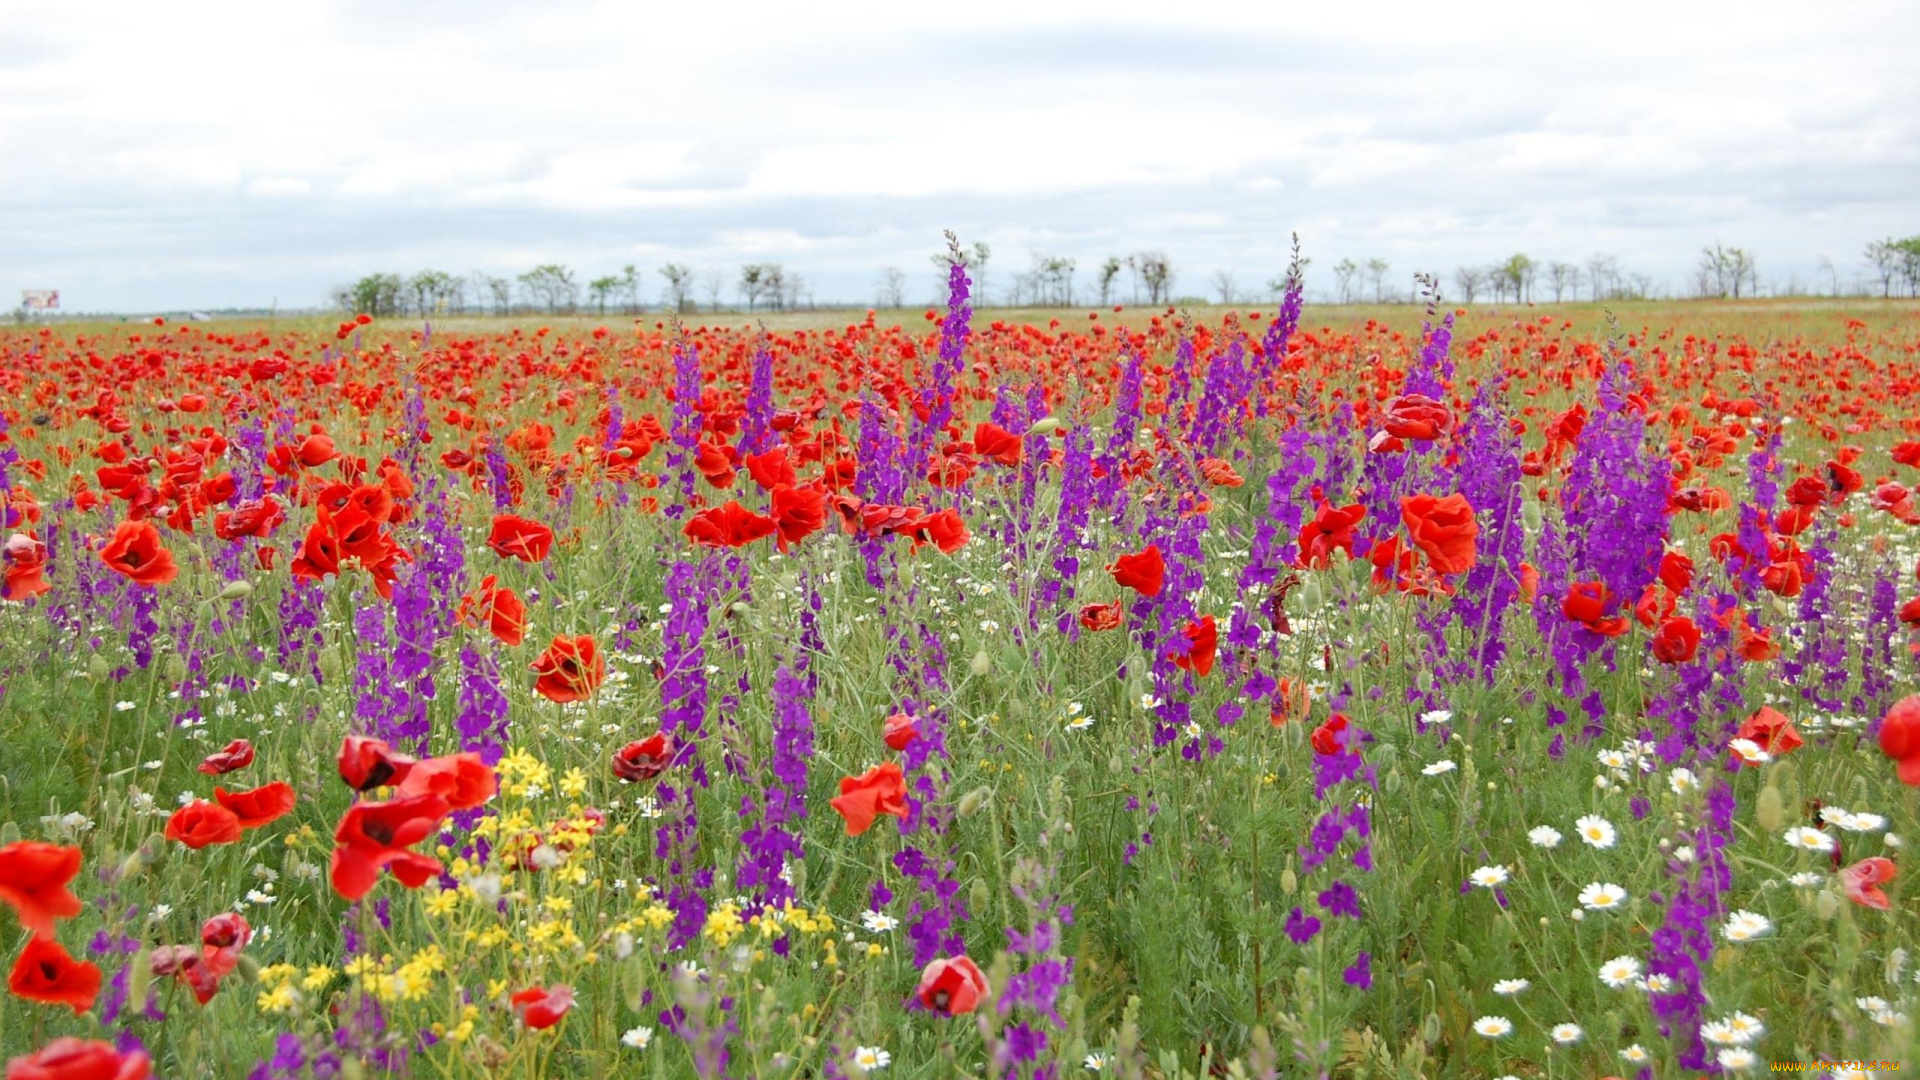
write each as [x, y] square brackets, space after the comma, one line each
[1133, 694]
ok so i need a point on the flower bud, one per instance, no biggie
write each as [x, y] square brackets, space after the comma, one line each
[1046, 425]
[980, 664]
[1768, 811]
[1289, 881]
[236, 590]
[972, 801]
[1827, 904]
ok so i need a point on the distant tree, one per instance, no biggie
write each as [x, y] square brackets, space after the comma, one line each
[600, 289]
[1603, 275]
[1521, 271]
[429, 289]
[1884, 257]
[379, 295]
[1825, 266]
[498, 289]
[1469, 280]
[1346, 274]
[630, 285]
[893, 288]
[1908, 253]
[975, 259]
[1377, 273]
[752, 284]
[551, 285]
[712, 281]
[1562, 278]
[679, 279]
[1109, 270]
[1054, 275]
[1727, 271]
[1156, 273]
[1223, 286]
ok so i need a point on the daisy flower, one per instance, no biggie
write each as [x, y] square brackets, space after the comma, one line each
[1746, 926]
[1602, 896]
[1861, 822]
[1095, 1061]
[1596, 831]
[1492, 1027]
[1750, 752]
[1635, 1055]
[871, 1058]
[877, 922]
[1681, 781]
[1566, 1034]
[1737, 1058]
[1612, 759]
[1510, 987]
[1489, 876]
[1439, 767]
[1544, 836]
[1620, 972]
[1808, 839]
[638, 1037]
[1658, 984]
[1748, 1028]
[1806, 879]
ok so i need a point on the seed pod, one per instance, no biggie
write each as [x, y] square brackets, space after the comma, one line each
[176, 668]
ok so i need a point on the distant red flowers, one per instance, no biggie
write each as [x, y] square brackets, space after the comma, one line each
[540, 1007]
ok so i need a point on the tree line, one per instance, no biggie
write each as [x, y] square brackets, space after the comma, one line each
[556, 289]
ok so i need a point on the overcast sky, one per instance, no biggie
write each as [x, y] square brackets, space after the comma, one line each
[162, 156]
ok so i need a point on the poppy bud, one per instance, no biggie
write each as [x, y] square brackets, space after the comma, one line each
[1532, 515]
[1827, 904]
[1430, 1029]
[9, 832]
[1046, 425]
[980, 664]
[176, 668]
[98, 668]
[1768, 811]
[236, 590]
[1289, 881]
[972, 801]
[140, 975]
[979, 896]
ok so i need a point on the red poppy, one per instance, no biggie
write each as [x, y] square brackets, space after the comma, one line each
[797, 513]
[1417, 416]
[1900, 738]
[995, 443]
[730, 526]
[1676, 641]
[1203, 641]
[947, 530]
[201, 823]
[188, 965]
[497, 608]
[644, 759]
[1861, 882]
[1100, 616]
[898, 730]
[237, 754]
[33, 881]
[541, 1008]
[880, 790]
[376, 836]
[519, 538]
[259, 806]
[1676, 571]
[47, 973]
[1219, 473]
[714, 465]
[26, 560]
[366, 763]
[1770, 731]
[951, 986]
[255, 517]
[1331, 736]
[772, 470]
[570, 670]
[80, 1059]
[1330, 530]
[1443, 529]
[1587, 602]
[315, 451]
[1756, 645]
[135, 551]
[1143, 571]
[463, 780]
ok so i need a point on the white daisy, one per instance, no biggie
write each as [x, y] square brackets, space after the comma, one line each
[1544, 836]
[1862, 822]
[1748, 1028]
[1602, 896]
[1720, 1033]
[1806, 879]
[1095, 1061]
[1080, 723]
[1737, 1058]
[1566, 1034]
[878, 922]
[1636, 1055]
[1489, 876]
[1510, 987]
[1492, 1027]
[1596, 831]
[1658, 984]
[1620, 972]
[1681, 781]
[871, 1058]
[1746, 926]
[1750, 751]
[638, 1037]
[1808, 839]
[1436, 716]
[1439, 767]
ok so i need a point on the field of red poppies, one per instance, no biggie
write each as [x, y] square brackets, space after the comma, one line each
[1257, 694]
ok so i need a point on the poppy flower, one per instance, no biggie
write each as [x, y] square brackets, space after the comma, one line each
[1443, 529]
[463, 780]
[1756, 645]
[519, 538]
[135, 552]
[1100, 616]
[237, 754]
[376, 836]
[714, 465]
[1203, 640]
[315, 451]
[570, 670]
[1861, 882]
[1676, 571]
[797, 512]
[1291, 699]
[47, 973]
[541, 1008]
[995, 443]
[644, 759]
[255, 517]
[259, 806]
[1587, 602]
[948, 531]
[729, 526]
[951, 986]
[80, 1059]
[880, 790]
[26, 561]
[898, 730]
[1330, 736]
[771, 469]
[1219, 473]
[499, 610]
[1417, 416]
[1330, 530]
[1770, 731]
[1143, 571]
[366, 763]
[1676, 641]
[189, 966]
[1900, 737]
[33, 881]
[201, 823]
